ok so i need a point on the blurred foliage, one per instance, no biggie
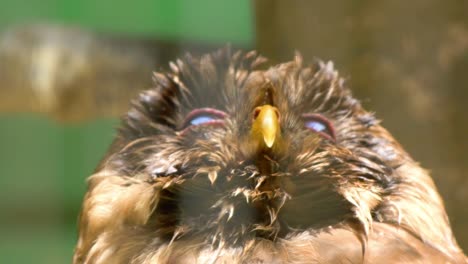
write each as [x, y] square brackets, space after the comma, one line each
[43, 166]
[204, 20]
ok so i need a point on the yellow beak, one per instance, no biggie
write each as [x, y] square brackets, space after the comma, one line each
[266, 125]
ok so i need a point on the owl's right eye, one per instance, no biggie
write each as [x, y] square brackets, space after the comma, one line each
[204, 116]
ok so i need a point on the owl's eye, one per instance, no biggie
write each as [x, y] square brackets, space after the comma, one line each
[320, 125]
[204, 116]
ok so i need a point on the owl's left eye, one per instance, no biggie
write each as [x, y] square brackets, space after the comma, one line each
[320, 125]
[204, 116]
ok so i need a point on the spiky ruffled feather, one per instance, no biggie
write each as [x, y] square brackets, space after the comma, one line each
[163, 196]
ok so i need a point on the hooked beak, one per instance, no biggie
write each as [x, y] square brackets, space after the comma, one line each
[266, 126]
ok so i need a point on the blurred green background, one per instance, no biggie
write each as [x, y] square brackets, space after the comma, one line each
[43, 164]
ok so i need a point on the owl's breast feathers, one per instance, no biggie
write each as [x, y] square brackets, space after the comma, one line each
[223, 162]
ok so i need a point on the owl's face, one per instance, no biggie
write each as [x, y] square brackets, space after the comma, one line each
[222, 152]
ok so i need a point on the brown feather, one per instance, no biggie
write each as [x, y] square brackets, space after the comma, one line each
[204, 194]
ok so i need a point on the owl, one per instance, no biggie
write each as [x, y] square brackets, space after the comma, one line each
[227, 160]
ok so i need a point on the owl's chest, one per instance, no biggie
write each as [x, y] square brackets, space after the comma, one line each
[303, 247]
[334, 244]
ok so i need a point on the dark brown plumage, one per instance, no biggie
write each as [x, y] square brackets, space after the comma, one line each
[223, 162]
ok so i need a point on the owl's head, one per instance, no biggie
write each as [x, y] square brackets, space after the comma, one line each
[224, 150]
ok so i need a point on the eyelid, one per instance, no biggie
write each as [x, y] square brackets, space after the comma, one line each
[200, 111]
[319, 118]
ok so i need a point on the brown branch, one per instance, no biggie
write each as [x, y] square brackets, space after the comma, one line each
[71, 74]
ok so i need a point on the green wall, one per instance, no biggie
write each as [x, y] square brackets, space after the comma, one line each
[44, 164]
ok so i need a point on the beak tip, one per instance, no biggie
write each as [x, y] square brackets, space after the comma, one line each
[269, 143]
